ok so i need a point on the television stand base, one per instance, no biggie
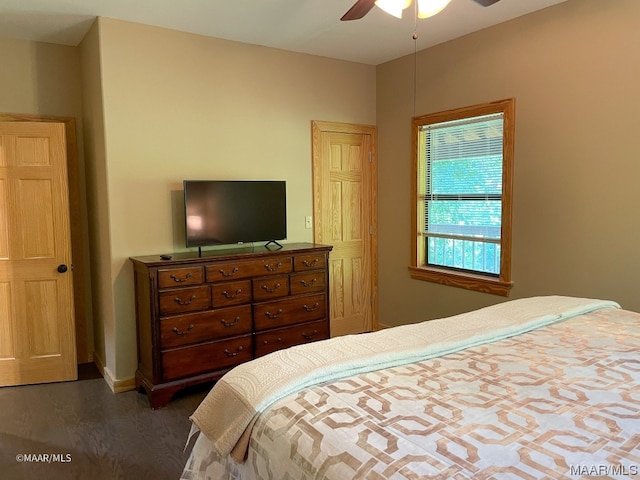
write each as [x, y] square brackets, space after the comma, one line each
[266, 245]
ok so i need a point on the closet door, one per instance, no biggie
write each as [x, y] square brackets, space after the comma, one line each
[37, 336]
[344, 204]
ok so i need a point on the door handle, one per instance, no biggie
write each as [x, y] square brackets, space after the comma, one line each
[62, 268]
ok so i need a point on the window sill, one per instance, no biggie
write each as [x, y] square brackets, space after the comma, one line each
[470, 281]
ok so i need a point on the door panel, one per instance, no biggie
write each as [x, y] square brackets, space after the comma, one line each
[43, 336]
[344, 212]
[35, 223]
[4, 216]
[36, 301]
[7, 343]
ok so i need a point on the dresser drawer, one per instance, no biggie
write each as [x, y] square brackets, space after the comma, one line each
[193, 328]
[309, 262]
[180, 277]
[250, 268]
[273, 340]
[183, 300]
[288, 311]
[231, 293]
[206, 357]
[270, 287]
[309, 282]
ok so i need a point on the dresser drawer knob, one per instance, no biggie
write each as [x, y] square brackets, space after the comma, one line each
[313, 307]
[178, 332]
[233, 354]
[228, 274]
[309, 336]
[273, 268]
[179, 280]
[266, 342]
[273, 315]
[185, 302]
[231, 295]
[229, 324]
[308, 284]
[311, 263]
[268, 289]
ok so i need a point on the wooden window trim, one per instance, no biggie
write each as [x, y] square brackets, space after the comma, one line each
[473, 281]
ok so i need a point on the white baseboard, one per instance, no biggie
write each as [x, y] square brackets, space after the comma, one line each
[116, 385]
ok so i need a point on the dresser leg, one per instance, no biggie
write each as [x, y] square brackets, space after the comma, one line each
[158, 399]
[158, 396]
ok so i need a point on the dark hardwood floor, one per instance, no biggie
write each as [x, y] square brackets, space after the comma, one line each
[91, 433]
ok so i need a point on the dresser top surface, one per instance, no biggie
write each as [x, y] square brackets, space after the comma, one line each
[237, 253]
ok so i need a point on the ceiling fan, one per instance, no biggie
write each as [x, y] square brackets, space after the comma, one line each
[426, 8]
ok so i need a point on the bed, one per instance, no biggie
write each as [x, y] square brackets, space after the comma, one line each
[544, 387]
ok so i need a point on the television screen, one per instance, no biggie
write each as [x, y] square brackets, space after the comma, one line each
[234, 211]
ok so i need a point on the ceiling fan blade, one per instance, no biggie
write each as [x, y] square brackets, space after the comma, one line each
[359, 10]
[486, 3]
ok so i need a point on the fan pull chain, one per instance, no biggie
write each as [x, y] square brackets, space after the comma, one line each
[415, 56]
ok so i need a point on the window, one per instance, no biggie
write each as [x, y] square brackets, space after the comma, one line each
[462, 204]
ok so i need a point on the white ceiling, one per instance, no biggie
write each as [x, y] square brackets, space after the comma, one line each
[308, 26]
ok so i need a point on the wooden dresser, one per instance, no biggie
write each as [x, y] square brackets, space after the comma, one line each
[199, 316]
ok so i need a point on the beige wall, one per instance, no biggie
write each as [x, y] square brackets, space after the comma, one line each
[573, 71]
[39, 78]
[180, 106]
[97, 201]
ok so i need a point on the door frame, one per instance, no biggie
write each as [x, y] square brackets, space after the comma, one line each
[83, 324]
[317, 129]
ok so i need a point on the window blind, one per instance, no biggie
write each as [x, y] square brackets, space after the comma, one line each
[463, 192]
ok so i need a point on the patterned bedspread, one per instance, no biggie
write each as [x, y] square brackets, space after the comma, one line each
[562, 401]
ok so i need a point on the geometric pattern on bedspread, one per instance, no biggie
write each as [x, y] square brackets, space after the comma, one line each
[559, 402]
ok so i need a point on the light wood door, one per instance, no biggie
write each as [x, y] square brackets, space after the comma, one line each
[344, 199]
[37, 340]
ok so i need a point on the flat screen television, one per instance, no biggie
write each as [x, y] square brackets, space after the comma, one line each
[234, 211]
